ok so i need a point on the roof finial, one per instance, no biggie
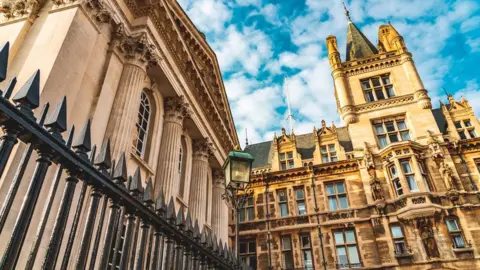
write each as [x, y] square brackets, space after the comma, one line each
[246, 138]
[346, 11]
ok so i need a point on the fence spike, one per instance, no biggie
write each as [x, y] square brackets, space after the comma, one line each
[171, 210]
[136, 183]
[29, 95]
[188, 223]
[83, 142]
[104, 159]
[147, 193]
[180, 221]
[220, 248]
[214, 243]
[160, 206]
[9, 88]
[196, 230]
[4, 61]
[225, 251]
[209, 240]
[120, 172]
[57, 121]
[204, 237]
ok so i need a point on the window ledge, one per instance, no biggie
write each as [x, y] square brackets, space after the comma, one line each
[142, 163]
[464, 249]
[403, 255]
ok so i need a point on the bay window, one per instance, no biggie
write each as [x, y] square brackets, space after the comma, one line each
[409, 175]
[390, 131]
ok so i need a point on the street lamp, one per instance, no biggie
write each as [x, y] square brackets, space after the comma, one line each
[237, 168]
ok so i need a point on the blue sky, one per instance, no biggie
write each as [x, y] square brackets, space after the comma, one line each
[258, 42]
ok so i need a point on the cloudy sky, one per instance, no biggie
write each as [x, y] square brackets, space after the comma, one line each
[258, 42]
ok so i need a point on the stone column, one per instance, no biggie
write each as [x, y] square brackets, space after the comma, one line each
[138, 56]
[197, 202]
[167, 177]
[219, 207]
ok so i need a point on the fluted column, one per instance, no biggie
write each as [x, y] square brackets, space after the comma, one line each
[168, 177]
[197, 202]
[219, 207]
[138, 56]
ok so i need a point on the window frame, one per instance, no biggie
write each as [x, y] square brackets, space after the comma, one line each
[306, 249]
[407, 175]
[287, 252]
[388, 135]
[329, 154]
[286, 161]
[144, 115]
[247, 256]
[371, 93]
[283, 202]
[336, 195]
[301, 200]
[463, 129]
[396, 181]
[247, 209]
[456, 233]
[401, 240]
[346, 246]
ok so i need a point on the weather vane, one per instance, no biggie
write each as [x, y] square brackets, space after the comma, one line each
[346, 11]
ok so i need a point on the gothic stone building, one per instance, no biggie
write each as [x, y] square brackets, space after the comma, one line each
[396, 188]
[147, 80]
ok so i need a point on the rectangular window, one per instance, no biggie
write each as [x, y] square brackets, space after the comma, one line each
[306, 251]
[398, 239]
[286, 160]
[397, 186]
[329, 153]
[477, 163]
[458, 124]
[455, 232]
[336, 196]
[300, 197]
[346, 248]
[409, 175]
[423, 171]
[248, 211]
[462, 135]
[287, 254]
[247, 253]
[467, 128]
[472, 133]
[377, 88]
[467, 123]
[282, 203]
[391, 131]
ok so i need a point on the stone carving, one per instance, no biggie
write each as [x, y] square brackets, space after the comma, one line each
[218, 177]
[419, 200]
[176, 109]
[341, 215]
[428, 239]
[377, 190]
[368, 158]
[202, 148]
[447, 175]
[435, 148]
[98, 10]
[18, 8]
[423, 99]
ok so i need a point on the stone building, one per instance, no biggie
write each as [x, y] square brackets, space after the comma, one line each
[148, 81]
[395, 188]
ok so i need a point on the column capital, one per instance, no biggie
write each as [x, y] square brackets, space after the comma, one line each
[202, 149]
[176, 109]
[136, 49]
[218, 177]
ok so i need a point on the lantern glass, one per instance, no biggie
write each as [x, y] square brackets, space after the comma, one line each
[237, 168]
[227, 171]
[240, 171]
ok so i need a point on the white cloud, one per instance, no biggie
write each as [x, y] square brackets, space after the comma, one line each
[472, 93]
[249, 2]
[208, 15]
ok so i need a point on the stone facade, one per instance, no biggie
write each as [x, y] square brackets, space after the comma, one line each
[396, 188]
[148, 81]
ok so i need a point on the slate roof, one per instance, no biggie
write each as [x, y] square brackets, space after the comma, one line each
[263, 152]
[356, 41]
[440, 119]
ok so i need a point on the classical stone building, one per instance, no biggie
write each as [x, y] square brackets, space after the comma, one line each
[147, 80]
[396, 188]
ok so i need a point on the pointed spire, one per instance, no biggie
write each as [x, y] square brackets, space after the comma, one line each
[120, 172]
[9, 88]
[188, 223]
[135, 186]
[57, 121]
[204, 237]
[104, 158]
[220, 247]
[160, 206]
[347, 13]
[196, 231]
[83, 143]
[171, 210]
[209, 240]
[4, 61]
[225, 251]
[28, 97]
[214, 243]
[148, 193]
[180, 220]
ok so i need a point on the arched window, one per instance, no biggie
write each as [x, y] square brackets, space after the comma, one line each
[142, 125]
[182, 167]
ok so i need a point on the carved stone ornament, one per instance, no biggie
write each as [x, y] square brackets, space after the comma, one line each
[421, 96]
[428, 239]
[218, 177]
[18, 8]
[202, 148]
[98, 11]
[135, 48]
[377, 190]
[368, 158]
[176, 109]
[435, 149]
[447, 175]
[348, 114]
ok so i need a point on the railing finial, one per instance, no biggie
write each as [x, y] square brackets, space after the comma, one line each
[4, 61]
[28, 97]
[196, 231]
[180, 220]
[83, 143]
[136, 183]
[188, 223]
[148, 193]
[57, 121]
[160, 205]
[171, 210]
[120, 171]
[104, 158]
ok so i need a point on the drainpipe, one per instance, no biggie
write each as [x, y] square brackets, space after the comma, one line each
[320, 235]
[267, 215]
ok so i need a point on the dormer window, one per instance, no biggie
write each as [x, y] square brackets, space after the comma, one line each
[465, 127]
[286, 160]
[377, 88]
[329, 153]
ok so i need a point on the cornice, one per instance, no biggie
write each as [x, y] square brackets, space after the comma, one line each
[370, 64]
[386, 103]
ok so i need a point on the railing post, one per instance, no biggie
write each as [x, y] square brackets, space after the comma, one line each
[180, 224]
[136, 189]
[148, 201]
[169, 242]
[160, 210]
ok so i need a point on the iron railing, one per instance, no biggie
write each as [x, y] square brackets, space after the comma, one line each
[162, 238]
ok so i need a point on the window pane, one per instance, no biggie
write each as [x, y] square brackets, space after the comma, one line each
[250, 201]
[301, 208]
[282, 196]
[334, 158]
[390, 91]
[389, 126]
[472, 133]
[288, 260]
[405, 136]
[382, 140]
[396, 231]
[290, 155]
[340, 188]
[412, 184]
[386, 80]
[332, 203]
[243, 247]
[252, 261]
[350, 236]
[343, 201]
[284, 165]
[242, 215]
[330, 189]
[251, 214]
[452, 225]
[393, 138]
[338, 238]
[291, 164]
[398, 187]
[325, 159]
[401, 125]
[331, 147]
[365, 85]
[393, 172]
[379, 93]
[307, 258]
[369, 96]
[324, 149]
[462, 135]
[282, 156]
[406, 166]
[283, 210]
[251, 247]
[467, 123]
[353, 255]
[458, 125]
[300, 194]
[376, 82]
[458, 241]
[305, 241]
[379, 129]
[342, 257]
[286, 243]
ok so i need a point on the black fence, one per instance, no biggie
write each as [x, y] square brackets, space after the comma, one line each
[135, 230]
